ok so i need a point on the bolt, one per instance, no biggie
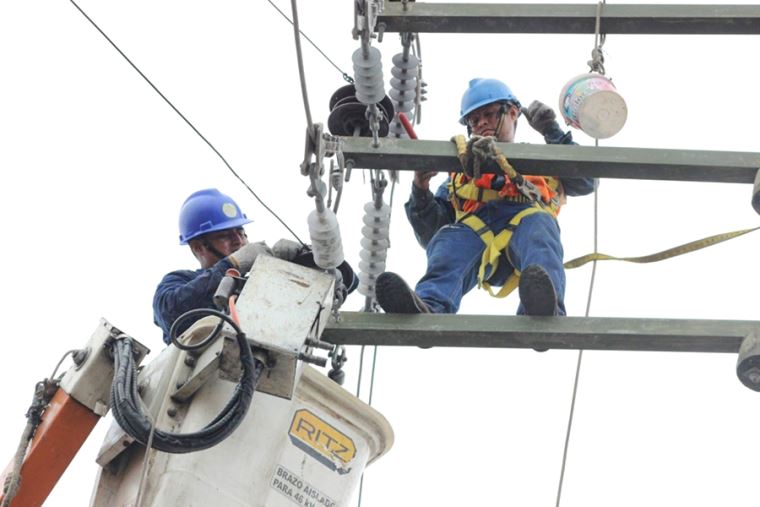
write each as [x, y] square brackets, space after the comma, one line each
[80, 356]
[753, 375]
[190, 361]
[171, 411]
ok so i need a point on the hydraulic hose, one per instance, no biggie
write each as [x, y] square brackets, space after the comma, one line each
[127, 405]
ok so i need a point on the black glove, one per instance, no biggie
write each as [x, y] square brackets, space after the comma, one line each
[541, 117]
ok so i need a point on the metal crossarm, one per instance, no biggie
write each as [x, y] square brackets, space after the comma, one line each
[668, 335]
[465, 17]
[559, 160]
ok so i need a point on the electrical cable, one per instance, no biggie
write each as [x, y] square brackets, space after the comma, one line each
[299, 57]
[224, 160]
[126, 404]
[348, 78]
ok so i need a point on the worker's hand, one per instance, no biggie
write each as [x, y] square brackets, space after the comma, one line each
[244, 257]
[541, 117]
[286, 249]
[422, 179]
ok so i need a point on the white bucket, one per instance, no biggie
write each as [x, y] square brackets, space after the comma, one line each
[591, 103]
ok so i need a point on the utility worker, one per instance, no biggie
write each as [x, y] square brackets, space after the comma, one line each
[211, 223]
[459, 223]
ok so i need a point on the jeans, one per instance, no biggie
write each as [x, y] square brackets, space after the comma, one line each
[455, 252]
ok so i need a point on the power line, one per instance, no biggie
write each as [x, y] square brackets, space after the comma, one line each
[345, 76]
[186, 121]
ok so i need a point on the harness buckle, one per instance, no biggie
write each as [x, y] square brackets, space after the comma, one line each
[528, 189]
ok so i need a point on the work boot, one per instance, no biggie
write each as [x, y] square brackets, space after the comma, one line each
[395, 296]
[537, 293]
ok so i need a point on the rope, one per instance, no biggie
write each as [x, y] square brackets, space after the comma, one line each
[580, 352]
[358, 392]
[146, 458]
[304, 93]
[188, 122]
[597, 56]
[346, 77]
[43, 392]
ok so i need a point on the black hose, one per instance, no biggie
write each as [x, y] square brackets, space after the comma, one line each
[174, 330]
[127, 406]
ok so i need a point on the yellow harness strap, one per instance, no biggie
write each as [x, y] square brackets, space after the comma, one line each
[495, 245]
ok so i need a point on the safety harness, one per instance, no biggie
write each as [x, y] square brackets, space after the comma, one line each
[470, 190]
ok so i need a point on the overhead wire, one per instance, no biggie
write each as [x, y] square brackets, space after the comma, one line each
[213, 148]
[348, 78]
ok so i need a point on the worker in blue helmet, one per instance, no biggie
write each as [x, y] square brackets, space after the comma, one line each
[211, 223]
[468, 212]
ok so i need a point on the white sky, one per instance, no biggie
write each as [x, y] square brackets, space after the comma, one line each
[95, 167]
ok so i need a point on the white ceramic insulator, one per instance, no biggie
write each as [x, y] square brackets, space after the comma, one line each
[325, 239]
[403, 91]
[375, 244]
[368, 76]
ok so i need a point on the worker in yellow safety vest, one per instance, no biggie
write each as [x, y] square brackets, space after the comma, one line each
[490, 229]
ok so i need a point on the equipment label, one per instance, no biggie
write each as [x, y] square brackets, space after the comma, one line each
[298, 490]
[322, 441]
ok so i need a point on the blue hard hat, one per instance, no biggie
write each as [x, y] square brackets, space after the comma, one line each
[206, 211]
[482, 92]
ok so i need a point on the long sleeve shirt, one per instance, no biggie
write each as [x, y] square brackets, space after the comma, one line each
[183, 290]
[428, 212]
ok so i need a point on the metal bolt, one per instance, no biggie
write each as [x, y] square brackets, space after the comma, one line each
[753, 375]
[308, 358]
[80, 356]
[171, 411]
[190, 361]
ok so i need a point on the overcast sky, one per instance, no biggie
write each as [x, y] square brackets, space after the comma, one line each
[95, 167]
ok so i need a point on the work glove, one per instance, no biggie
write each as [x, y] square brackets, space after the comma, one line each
[286, 249]
[480, 149]
[541, 117]
[244, 257]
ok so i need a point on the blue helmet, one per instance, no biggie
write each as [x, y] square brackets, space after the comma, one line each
[482, 92]
[206, 211]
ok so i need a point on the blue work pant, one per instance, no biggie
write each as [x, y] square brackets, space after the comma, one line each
[455, 252]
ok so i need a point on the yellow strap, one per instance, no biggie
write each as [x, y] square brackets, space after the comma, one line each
[665, 254]
[479, 227]
[495, 245]
[469, 191]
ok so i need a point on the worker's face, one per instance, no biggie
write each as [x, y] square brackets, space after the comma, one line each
[484, 121]
[224, 242]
